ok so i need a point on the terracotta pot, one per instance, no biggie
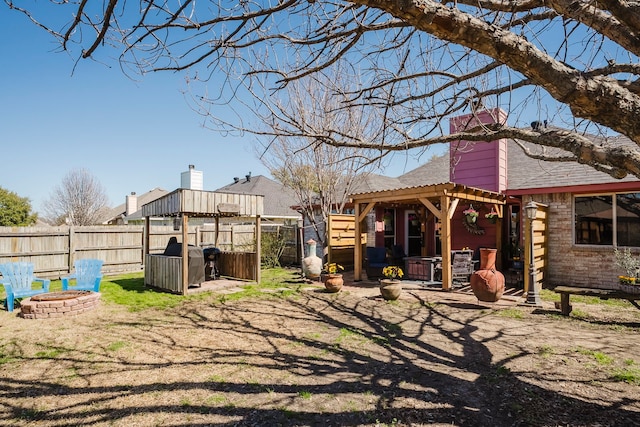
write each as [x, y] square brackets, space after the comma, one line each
[487, 283]
[390, 289]
[333, 282]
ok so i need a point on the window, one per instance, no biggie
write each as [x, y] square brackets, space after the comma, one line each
[608, 219]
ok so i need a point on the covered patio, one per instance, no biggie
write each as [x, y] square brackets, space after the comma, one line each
[171, 273]
[436, 203]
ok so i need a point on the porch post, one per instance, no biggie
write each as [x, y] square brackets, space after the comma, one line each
[499, 237]
[445, 240]
[357, 250]
[185, 254]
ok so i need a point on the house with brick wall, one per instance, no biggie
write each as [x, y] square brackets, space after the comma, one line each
[589, 213]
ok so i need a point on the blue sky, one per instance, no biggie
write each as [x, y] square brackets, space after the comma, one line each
[131, 135]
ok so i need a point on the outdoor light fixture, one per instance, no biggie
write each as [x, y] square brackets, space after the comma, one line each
[531, 209]
[176, 223]
[533, 296]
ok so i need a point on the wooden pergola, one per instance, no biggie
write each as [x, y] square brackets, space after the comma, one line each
[183, 204]
[441, 200]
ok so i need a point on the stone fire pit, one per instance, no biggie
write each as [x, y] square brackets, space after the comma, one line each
[59, 304]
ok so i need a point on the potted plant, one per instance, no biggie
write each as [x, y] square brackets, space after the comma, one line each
[390, 286]
[492, 216]
[629, 282]
[333, 280]
[471, 215]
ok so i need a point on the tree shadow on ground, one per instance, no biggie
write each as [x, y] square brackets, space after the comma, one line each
[312, 359]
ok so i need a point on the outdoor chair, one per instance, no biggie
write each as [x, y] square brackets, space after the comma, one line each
[462, 266]
[375, 261]
[87, 276]
[397, 256]
[18, 281]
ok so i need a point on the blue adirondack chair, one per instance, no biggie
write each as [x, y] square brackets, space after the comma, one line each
[18, 281]
[87, 276]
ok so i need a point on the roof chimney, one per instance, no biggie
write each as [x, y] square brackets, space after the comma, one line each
[479, 165]
[191, 179]
[131, 204]
[248, 176]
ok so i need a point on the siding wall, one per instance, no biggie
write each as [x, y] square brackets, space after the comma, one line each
[479, 164]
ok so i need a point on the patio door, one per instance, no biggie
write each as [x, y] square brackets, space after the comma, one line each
[389, 219]
[413, 241]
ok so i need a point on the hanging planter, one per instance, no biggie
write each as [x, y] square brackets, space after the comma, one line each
[470, 221]
[470, 215]
[492, 216]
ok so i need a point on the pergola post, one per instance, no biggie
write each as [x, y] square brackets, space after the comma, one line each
[185, 254]
[500, 210]
[445, 240]
[357, 250]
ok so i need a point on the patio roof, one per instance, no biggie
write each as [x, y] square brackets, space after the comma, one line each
[198, 203]
[413, 195]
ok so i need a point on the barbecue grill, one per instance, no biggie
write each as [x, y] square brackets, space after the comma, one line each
[211, 256]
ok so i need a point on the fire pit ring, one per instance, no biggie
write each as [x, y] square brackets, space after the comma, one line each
[57, 296]
[59, 304]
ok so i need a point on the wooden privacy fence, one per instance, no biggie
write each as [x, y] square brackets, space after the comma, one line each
[53, 250]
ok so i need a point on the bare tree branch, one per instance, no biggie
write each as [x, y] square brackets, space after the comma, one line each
[420, 62]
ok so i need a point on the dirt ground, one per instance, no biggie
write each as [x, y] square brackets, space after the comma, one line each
[320, 359]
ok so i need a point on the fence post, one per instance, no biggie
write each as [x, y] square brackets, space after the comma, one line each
[258, 235]
[72, 248]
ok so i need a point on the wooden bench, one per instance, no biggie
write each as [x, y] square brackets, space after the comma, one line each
[565, 291]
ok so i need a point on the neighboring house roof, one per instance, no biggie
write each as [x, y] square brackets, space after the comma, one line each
[372, 182]
[278, 199]
[120, 211]
[435, 171]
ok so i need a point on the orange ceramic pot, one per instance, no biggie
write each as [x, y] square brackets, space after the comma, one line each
[487, 283]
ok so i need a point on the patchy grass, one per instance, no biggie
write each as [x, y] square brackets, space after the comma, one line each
[545, 351]
[630, 373]
[512, 313]
[117, 345]
[128, 290]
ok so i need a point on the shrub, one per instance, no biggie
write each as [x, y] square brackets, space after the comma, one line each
[273, 244]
